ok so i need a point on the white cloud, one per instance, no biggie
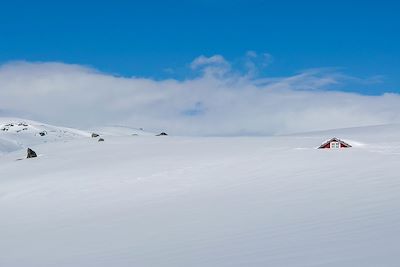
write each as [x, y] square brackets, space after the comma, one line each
[255, 62]
[251, 53]
[226, 104]
[206, 61]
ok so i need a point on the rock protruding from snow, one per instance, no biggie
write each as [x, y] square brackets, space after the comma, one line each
[101, 140]
[162, 134]
[31, 154]
[43, 133]
[94, 135]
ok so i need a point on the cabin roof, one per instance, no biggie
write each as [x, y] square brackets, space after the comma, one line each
[334, 139]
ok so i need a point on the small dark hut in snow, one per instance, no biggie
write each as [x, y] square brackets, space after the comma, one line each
[334, 143]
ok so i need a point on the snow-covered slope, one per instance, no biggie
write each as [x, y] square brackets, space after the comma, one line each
[120, 131]
[174, 201]
[18, 133]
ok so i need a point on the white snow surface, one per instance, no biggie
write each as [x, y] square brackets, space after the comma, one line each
[16, 133]
[120, 131]
[177, 201]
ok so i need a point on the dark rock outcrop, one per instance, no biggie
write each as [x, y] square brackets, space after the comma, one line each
[101, 140]
[94, 135]
[31, 154]
[161, 134]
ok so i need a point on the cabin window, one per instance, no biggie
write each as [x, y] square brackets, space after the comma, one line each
[335, 145]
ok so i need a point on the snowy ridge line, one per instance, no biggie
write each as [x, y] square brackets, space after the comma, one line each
[16, 133]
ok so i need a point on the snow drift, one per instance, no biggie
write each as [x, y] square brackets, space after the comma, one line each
[176, 201]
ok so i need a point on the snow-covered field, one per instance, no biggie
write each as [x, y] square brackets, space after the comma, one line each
[180, 201]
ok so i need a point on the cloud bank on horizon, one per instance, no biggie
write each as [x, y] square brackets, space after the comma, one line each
[220, 100]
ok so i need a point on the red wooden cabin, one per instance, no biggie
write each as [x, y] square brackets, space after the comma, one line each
[334, 143]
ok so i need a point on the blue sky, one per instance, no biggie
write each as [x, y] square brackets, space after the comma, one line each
[159, 39]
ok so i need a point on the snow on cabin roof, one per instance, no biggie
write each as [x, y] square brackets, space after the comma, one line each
[334, 139]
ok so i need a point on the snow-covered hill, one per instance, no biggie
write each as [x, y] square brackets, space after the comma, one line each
[176, 201]
[18, 133]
